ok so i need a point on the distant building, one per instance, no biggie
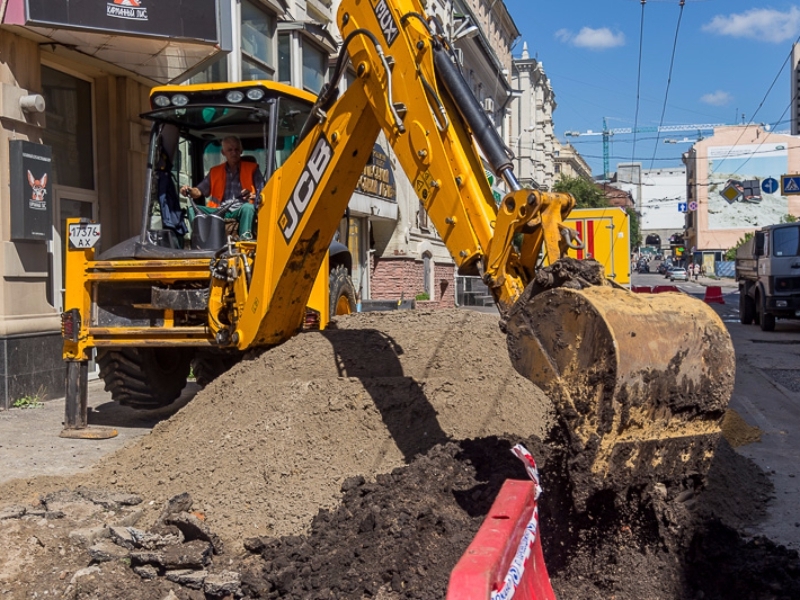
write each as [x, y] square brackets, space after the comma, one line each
[568, 163]
[532, 138]
[659, 196]
[733, 186]
[615, 196]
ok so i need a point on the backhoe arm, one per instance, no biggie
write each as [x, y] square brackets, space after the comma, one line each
[400, 63]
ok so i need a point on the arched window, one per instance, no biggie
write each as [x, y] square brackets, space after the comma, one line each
[427, 274]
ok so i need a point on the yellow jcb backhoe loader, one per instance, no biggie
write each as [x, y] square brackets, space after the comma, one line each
[640, 381]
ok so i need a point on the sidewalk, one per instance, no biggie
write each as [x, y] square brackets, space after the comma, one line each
[29, 438]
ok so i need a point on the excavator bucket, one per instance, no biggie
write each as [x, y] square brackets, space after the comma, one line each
[640, 381]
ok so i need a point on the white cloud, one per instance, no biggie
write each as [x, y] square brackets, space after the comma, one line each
[592, 39]
[763, 24]
[718, 98]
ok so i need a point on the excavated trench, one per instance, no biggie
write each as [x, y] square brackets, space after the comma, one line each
[359, 462]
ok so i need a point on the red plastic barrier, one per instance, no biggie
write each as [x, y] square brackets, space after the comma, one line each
[714, 294]
[665, 288]
[642, 289]
[502, 560]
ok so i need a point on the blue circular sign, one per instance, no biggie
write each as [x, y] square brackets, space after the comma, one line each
[769, 185]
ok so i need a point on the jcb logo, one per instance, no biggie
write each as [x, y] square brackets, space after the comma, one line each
[305, 188]
[386, 21]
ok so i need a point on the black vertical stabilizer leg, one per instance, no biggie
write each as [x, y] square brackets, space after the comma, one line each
[76, 421]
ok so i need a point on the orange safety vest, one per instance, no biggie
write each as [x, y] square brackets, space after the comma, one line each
[218, 176]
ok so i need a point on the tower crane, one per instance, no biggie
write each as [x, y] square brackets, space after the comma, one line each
[607, 133]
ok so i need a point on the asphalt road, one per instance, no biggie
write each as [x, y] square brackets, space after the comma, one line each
[766, 395]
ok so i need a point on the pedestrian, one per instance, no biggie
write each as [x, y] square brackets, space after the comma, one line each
[696, 271]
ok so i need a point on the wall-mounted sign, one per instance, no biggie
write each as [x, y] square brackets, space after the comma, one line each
[377, 178]
[180, 19]
[31, 191]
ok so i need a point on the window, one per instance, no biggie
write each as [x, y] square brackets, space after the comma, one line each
[68, 102]
[216, 71]
[285, 58]
[258, 30]
[786, 241]
[422, 218]
[314, 67]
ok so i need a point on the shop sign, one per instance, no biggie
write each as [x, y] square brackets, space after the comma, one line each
[377, 179]
[31, 191]
[180, 19]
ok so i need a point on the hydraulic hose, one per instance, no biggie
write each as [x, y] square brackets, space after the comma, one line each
[495, 150]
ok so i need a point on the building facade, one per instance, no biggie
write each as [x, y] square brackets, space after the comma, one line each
[74, 81]
[532, 137]
[733, 187]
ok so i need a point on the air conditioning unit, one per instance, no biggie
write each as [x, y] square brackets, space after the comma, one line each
[488, 105]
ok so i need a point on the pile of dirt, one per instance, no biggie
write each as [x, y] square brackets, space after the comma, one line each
[359, 462]
[737, 431]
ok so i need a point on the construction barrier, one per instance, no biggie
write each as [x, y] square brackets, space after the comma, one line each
[642, 289]
[505, 558]
[657, 289]
[714, 295]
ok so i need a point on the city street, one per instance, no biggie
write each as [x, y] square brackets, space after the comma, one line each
[766, 395]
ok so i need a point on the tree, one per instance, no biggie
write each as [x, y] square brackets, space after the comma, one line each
[788, 219]
[586, 193]
[731, 253]
[635, 233]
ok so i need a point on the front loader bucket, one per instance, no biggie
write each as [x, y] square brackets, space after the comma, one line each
[641, 381]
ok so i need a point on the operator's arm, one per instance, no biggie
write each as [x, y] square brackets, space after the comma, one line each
[202, 190]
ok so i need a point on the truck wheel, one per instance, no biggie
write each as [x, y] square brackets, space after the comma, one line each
[747, 309]
[763, 318]
[207, 366]
[343, 292]
[144, 378]
[767, 321]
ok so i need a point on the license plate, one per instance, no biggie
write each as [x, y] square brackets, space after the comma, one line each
[83, 235]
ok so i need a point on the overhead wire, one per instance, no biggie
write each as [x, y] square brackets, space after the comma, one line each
[669, 81]
[638, 78]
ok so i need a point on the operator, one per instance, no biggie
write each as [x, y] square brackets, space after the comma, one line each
[236, 182]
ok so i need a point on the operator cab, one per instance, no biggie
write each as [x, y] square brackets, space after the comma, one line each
[189, 124]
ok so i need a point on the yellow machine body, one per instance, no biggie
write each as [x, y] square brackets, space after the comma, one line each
[637, 380]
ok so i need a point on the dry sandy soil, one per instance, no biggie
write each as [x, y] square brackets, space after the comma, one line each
[359, 462]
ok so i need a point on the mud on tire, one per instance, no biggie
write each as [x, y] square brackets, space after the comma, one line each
[342, 291]
[144, 378]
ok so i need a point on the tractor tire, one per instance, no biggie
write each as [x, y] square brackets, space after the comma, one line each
[207, 366]
[747, 309]
[144, 378]
[342, 291]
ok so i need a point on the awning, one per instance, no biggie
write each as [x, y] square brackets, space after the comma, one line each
[158, 40]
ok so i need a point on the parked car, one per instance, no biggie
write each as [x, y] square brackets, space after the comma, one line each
[678, 273]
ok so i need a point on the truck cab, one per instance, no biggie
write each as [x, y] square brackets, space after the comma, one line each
[768, 273]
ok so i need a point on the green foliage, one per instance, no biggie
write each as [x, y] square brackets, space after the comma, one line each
[788, 219]
[731, 253]
[423, 296]
[29, 401]
[587, 194]
[636, 234]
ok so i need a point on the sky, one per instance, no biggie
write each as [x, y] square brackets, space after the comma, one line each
[613, 59]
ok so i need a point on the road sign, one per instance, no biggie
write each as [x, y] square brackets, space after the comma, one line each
[769, 185]
[682, 207]
[692, 206]
[83, 235]
[732, 193]
[790, 184]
